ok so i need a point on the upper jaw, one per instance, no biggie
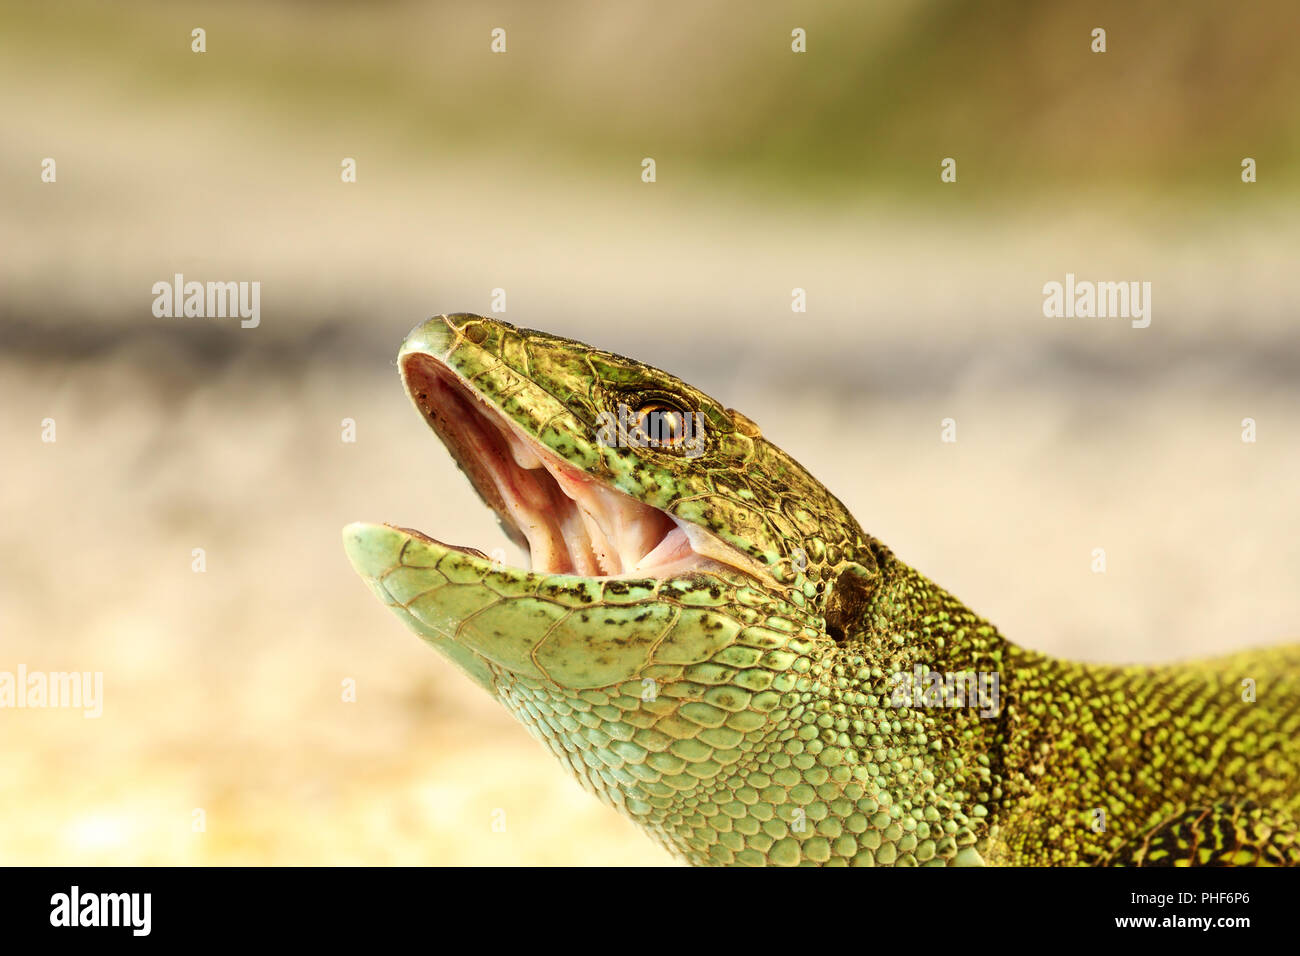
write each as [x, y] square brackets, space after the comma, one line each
[570, 522]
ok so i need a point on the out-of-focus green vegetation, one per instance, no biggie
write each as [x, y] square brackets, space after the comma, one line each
[714, 93]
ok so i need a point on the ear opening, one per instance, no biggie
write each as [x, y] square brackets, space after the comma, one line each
[847, 601]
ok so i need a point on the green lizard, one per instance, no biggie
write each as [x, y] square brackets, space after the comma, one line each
[709, 641]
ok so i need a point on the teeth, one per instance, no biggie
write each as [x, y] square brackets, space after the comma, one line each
[609, 562]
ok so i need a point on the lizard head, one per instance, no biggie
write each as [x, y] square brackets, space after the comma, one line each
[684, 571]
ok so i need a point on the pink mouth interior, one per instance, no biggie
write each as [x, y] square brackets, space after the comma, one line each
[570, 523]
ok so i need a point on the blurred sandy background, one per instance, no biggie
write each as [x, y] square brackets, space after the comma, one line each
[522, 171]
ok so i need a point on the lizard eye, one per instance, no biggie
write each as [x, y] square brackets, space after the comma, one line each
[662, 424]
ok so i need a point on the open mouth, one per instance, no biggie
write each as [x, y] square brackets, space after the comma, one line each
[569, 522]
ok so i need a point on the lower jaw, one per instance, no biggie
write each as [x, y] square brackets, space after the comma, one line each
[531, 623]
[534, 625]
